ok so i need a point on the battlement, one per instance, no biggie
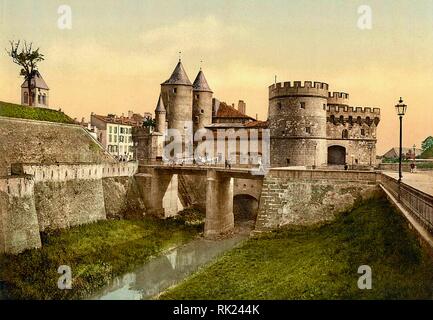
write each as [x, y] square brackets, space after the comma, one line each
[17, 186]
[299, 88]
[353, 110]
[338, 98]
[70, 171]
[341, 114]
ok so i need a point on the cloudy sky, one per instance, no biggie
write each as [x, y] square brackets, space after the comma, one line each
[118, 52]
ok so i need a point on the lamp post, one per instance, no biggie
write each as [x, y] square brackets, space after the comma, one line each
[401, 111]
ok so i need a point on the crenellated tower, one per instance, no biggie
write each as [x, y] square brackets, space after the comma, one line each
[297, 123]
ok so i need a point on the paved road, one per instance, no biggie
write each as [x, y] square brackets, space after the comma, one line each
[419, 180]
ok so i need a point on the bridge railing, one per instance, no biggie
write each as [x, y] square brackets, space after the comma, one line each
[418, 203]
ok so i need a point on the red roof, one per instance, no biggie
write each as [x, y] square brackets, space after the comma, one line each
[226, 111]
[135, 121]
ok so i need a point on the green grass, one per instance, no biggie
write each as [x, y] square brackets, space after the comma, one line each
[18, 111]
[96, 253]
[321, 262]
[427, 154]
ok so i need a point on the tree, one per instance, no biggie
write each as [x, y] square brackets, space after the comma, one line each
[28, 60]
[427, 143]
[149, 122]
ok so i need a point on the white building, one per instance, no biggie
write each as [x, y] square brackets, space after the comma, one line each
[115, 133]
[40, 92]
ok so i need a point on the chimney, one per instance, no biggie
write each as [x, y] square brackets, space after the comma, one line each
[130, 114]
[242, 107]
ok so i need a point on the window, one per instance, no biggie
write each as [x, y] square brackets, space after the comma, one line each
[345, 134]
[110, 138]
[302, 105]
[279, 105]
[283, 132]
[324, 106]
[44, 99]
[115, 139]
[288, 161]
[39, 98]
[121, 139]
[201, 111]
[308, 129]
[175, 90]
[115, 130]
[362, 132]
[197, 96]
[122, 130]
[110, 129]
[26, 97]
[130, 139]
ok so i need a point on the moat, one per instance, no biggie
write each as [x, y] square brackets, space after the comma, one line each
[167, 270]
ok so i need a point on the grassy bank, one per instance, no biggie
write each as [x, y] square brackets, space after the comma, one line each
[12, 110]
[96, 253]
[321, 262]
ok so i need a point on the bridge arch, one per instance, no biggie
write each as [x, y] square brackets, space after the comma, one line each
[245, 208]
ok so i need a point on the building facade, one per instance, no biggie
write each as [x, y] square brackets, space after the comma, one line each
[40, 92]
[308, 125]
[115, 133]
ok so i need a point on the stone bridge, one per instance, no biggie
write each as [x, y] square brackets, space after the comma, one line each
[156, 179]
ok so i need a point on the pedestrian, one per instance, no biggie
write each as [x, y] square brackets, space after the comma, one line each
[412, 167]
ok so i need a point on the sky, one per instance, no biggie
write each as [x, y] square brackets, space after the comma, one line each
[117, 53]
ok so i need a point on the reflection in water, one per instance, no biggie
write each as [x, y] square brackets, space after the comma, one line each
[163, 272]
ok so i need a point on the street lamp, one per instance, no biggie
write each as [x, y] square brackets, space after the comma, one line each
[401, 111]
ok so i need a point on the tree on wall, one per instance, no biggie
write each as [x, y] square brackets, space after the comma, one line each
[149, 122]
[427, 143]
[28, 59]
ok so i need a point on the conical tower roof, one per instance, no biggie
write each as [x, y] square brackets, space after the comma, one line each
[179, 76]
[200, 83]
[160, 106]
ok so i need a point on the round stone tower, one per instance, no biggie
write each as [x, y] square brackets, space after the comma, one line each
[297, 123]
[176, 94]
[160, 116]
[202, 102]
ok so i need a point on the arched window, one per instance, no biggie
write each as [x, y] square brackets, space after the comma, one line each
[26, 97]
[345, 134]
[342, 119]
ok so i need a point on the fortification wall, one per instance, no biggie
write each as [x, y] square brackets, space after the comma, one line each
[19, 229]
[292, 197]
[29, 141]
[360, 115]
[338, 98]
[67, 195]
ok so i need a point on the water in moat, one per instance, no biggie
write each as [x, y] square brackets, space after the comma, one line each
[167, 270]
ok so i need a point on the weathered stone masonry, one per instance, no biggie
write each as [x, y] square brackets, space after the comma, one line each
[305, 197]
[42, 197]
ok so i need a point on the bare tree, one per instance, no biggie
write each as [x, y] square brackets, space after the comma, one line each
[28, 60]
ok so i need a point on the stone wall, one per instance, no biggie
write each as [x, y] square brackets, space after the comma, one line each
[292, 197]
[48, 197]
[19, 228]
[29, 141]
[122, 198]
